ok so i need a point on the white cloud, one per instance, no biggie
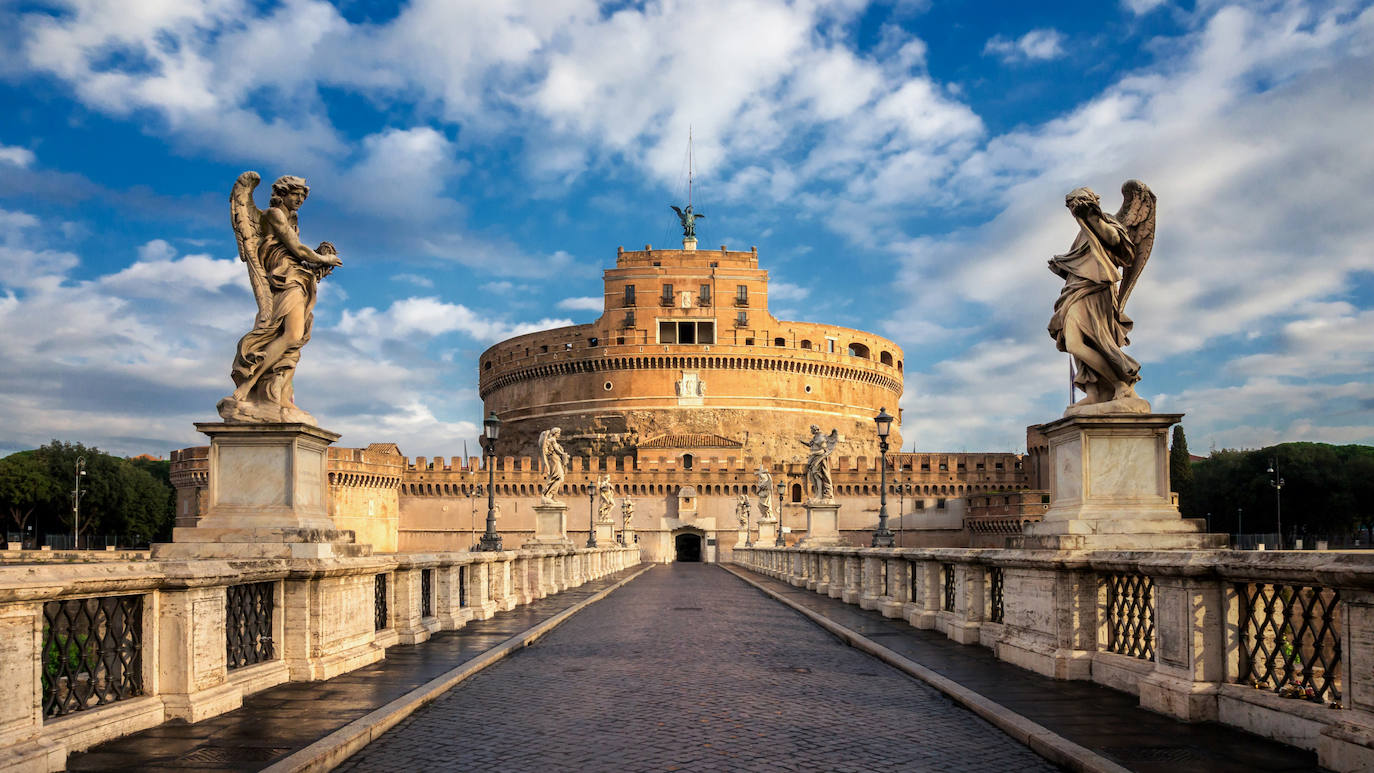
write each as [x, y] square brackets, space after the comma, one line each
[1037, 45]
[786, 291]
[21, 157]
[414, 279]
[582, 304]
[429, 316]
[1142, 7]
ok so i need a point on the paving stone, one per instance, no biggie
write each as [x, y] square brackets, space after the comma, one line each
[645, 681]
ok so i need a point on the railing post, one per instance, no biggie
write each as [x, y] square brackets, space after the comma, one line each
[969, 590]
[410, 628]
[192, 660]
[797, 576]
[929, 592]
[871, 589]
[898, 585]
[853, 576]
[1050, 619]
[1191, 619]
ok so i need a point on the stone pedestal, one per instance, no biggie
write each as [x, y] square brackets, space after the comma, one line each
[1109, 488]
[743, 539]
[822, 523]
[550, 526]
[605, 534]
[768, 533]
[268, 497]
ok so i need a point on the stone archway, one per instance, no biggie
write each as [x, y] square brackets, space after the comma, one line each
[688, 547]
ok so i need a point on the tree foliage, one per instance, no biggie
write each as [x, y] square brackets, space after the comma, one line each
[130, 498]
[1328, 490]
[1180, 466]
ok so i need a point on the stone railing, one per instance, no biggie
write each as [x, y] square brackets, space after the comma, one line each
[1278, 643]
[96, 650]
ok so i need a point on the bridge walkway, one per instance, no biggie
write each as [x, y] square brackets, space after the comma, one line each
[281, 722]
[1107, 722]
[689, 669]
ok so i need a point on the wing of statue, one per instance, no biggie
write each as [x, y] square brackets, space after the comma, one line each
[831, 441]
[1137, 216]
[678, 211]
[698, 215]
[544, 452]
[246, 219]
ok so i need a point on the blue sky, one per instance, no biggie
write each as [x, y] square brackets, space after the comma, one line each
[900, 166]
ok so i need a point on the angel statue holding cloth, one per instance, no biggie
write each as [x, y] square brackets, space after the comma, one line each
[283, 273]
[1099, 271]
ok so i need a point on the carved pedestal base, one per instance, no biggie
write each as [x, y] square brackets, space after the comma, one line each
[268, 493]
[605, 534]
[743, 539]
[822, 523]
[550, 526]
[768, 533]
[1109, 488]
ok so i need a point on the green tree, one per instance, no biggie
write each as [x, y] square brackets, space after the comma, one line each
[1180, 466]
[25, 487]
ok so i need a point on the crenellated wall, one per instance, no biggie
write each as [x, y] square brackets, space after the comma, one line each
[400, 504]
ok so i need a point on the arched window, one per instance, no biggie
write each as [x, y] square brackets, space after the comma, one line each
[858, 350]
[885, 358]
[686, 461]
[796, 492]
[779, 341]
[806, 343]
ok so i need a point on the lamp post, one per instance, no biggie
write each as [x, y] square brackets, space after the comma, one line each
[1240, 524]
[782, 504]
[591, 511]
[882, 538]
[1277, 483]
[491, 429]
[76, 502]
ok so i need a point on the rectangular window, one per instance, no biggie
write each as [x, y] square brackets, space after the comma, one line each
[667, 298]
[742, 319]
[629, 319]
[629, 295]
[704, 297]
[920, 504]
[830, 345]
[686, 332]
[742, 295]
[939, 504]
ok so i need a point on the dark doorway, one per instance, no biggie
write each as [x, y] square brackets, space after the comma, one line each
[687, 547]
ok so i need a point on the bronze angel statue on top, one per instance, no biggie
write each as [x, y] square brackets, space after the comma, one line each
[283, 273]
[688, 218]
[1099, 272]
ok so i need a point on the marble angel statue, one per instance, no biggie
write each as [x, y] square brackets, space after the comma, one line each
[1099, 271]
[819, 448]
[283, 273]
[763, 489]
[604, 493]
[553, 460]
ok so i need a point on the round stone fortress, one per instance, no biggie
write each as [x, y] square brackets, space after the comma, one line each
[686, 360]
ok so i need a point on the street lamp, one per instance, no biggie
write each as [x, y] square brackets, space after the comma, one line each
[591, 511]
[491, 429]
[882, 538]
[782, 503]
[76, 502]
[1277, 483]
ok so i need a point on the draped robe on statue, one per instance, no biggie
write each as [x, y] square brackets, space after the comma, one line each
[293, 286]
[1088, 302]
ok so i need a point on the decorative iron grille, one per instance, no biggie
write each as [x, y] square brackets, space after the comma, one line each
[915, 571]
[947, 570]
[379, 602]
[1130, 614]
[426, 593]
[462, 586]
[92, 652]
[1290, 639]
[995, 605]
[248, 623]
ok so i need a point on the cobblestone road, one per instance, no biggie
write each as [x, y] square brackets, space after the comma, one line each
[689, 669]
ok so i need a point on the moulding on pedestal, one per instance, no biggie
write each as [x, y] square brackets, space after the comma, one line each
[550, 526]
[822, 523]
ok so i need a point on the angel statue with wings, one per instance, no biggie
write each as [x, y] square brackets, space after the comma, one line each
[1089, 319]
[604, 492]
[688, 219]
[820, 448]
[283, 274]
[554, 461]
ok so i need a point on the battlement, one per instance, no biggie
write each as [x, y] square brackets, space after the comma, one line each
[699, 258]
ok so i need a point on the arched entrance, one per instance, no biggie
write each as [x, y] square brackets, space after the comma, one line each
[687, 547]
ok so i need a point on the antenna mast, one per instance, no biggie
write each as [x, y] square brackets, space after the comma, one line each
[689, 165]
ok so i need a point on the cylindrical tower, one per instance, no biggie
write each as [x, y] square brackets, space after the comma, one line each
[687, 357]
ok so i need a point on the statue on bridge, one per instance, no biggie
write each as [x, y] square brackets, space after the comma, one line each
[603, 490]
[763, 489]
[1089, 321]
[819, 448]
[553, 460]
[742, 511]
[283, 274]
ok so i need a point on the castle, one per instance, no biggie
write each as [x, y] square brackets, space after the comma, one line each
[680, 390]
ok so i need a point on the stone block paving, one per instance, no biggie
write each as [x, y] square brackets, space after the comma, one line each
[689, 669]
[1109, 722]
[282, 720]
